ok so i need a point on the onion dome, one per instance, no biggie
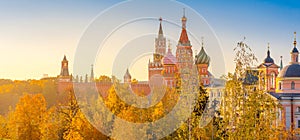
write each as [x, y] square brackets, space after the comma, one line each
[295, 50]
[202, 57]
[169, 58]
[292, 70]
[269, 59]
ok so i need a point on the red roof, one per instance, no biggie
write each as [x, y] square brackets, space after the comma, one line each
[184, 37]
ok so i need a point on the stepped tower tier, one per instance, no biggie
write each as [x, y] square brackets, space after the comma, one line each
[184, 53]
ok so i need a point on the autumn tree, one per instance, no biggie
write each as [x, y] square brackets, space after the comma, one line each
[29, 118]
[246, 112]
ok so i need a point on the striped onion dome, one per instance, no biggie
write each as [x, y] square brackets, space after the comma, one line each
[202, 57]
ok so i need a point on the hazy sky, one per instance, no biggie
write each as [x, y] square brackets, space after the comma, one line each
[35, 34]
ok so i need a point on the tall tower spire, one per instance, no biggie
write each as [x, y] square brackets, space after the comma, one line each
[281, 65]
[160, 41]
[92, 73]
[295, 52]
[160, 32]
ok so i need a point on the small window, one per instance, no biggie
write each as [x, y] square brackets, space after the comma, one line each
[280, 85]
[298, 123]
[293, 85]
[298, 109]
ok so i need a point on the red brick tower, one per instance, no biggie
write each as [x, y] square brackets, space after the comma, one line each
[184, 53]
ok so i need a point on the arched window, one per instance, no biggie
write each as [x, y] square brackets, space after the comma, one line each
[273, 80]
[293, 85]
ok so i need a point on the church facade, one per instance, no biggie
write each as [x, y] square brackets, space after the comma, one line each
[283, 83]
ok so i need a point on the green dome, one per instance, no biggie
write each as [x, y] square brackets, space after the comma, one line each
[202, 57]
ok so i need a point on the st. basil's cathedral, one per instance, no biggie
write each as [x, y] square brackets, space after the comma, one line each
[164, 64]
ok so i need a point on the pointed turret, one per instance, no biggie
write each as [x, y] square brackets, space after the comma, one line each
[160, 31]
[127, 77]
[184, 39]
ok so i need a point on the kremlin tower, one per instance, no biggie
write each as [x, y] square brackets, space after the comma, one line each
[156, 67]
[184, 53]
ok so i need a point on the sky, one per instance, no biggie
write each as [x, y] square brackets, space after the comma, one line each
[35, 35]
